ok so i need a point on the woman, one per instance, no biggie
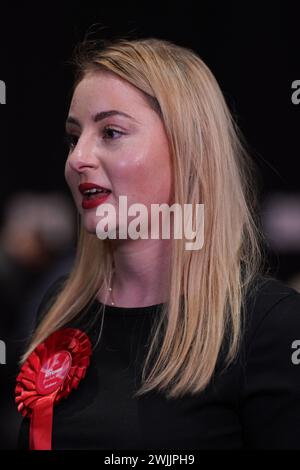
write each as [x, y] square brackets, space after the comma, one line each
[192, 349]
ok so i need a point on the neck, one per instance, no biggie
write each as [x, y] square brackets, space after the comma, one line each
[142, 269]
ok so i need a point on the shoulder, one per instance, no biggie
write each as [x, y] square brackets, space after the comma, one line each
[270, 379]
[272, 312]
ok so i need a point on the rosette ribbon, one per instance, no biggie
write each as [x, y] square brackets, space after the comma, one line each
[48, 375]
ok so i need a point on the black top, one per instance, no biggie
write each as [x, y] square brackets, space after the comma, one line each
[253, 404]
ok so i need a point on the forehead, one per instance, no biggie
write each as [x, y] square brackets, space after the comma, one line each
[105, 90]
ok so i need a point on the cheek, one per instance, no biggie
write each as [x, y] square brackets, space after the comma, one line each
[67, 173]
[145, 176]
[153, 180]
[70, 178]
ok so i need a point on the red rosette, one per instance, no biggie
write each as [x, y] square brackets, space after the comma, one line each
[48, 375]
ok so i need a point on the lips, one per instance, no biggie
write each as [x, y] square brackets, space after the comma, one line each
[83, 187]
[93, 194]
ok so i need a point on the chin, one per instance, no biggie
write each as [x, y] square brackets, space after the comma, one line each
[89, 222]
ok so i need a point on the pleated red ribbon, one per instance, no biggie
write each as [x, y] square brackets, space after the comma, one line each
[48, 375]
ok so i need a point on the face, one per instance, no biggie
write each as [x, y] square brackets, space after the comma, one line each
[125, 152]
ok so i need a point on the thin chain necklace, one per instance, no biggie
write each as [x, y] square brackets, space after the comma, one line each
[112, 301]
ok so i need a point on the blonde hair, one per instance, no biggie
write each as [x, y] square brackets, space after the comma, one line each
[210, 166]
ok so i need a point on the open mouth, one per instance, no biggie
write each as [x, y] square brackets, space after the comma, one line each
[93, 190]
[95, 193]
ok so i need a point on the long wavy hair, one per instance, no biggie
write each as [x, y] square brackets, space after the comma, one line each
[211, 165]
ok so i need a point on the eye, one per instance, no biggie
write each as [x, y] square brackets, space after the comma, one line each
[109, 133]
[71, 141]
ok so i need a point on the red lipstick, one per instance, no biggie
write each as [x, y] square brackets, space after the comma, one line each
[93, 195]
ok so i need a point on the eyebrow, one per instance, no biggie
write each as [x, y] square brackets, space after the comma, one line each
[100, 116]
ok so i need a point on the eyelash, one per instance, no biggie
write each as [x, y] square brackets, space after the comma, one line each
[69, 138]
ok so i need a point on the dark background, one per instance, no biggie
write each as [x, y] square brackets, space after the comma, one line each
[252, 49]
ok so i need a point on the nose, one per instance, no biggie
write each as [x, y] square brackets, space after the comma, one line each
[83, 155]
